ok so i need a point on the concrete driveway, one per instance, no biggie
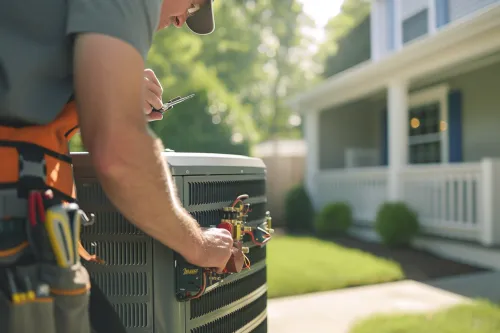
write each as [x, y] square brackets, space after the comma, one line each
[337, 311]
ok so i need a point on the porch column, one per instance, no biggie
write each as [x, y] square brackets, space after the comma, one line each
[397, 125]
[311, 136]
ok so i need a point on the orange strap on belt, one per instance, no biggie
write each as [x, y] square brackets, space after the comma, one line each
[37, 157]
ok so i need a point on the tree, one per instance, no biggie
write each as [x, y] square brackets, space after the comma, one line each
[352, 13]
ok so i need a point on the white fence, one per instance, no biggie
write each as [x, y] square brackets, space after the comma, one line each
[446, 198]
[363, 188]
[460, 201]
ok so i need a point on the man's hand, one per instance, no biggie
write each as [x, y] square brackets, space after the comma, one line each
[217, 249]
[153, 92]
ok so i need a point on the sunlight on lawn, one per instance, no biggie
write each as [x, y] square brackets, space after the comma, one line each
[298, 265]
[480, 317]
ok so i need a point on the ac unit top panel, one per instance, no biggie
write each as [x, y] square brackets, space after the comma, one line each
[190, 164]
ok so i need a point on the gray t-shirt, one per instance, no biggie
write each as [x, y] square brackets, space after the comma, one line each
[36, 48]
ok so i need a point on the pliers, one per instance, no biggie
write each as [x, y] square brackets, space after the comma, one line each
[170, 104]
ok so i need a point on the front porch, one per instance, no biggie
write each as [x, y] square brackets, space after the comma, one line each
[452, 201]
[434, 145]
[421, 126]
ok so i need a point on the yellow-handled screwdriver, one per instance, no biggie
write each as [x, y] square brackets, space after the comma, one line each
[64, 234]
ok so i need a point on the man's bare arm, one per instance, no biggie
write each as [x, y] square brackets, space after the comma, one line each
[108, 84]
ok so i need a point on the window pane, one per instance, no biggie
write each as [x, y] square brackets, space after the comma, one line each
[424, 119]
[425, 153]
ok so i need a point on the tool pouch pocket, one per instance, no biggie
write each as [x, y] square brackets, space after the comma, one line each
[22, 312]
[70, 291]
[28, 316]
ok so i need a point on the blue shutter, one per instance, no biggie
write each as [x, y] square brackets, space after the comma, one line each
[391, 24]
[455, 125]
[384, 141]
[442, 12]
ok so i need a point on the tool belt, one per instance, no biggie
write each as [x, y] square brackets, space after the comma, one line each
[43, 285]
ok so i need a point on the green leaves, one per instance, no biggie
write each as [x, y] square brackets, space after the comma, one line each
[242, 73]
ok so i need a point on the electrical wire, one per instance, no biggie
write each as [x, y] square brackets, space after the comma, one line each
[268, 237]
[203, 287]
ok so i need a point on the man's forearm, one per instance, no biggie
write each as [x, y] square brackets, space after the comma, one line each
[140, 185]
[108, 79]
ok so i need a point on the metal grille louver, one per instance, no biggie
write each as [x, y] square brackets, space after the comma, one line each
[235, 320]
[222, 191]
[227, 294]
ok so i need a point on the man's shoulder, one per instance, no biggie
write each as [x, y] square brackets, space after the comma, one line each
[133, 21]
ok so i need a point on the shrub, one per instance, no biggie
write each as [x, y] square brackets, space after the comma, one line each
[396, 224]
[334, 219]
[299, 212]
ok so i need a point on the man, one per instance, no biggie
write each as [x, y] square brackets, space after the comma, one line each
[69, 64]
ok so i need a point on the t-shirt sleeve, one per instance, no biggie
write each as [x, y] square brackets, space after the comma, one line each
[133, 21]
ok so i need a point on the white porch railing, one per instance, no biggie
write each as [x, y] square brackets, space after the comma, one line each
[446, 198]
[363, 188]
[460, 201]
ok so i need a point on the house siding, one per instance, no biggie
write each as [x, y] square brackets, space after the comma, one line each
[461, 8]
[410, 8]
[480, 112]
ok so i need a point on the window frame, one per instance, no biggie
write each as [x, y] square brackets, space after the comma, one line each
[435, 94]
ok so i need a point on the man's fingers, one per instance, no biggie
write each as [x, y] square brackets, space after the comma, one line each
[153, 116]
[153, 100]
[151, 76]
[155, 89]
[146, 107]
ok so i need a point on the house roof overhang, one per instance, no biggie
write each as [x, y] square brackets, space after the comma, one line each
[461, 40]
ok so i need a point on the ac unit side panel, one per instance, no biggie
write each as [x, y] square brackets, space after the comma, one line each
[126, 278]
[169, 314]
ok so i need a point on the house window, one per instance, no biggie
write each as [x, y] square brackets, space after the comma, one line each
[415, 26]
[427, 126]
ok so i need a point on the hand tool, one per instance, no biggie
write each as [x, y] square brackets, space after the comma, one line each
[170, 104]
[54, 230]
[15, 295]
[61, 235]
[37, 233]
[30, 293]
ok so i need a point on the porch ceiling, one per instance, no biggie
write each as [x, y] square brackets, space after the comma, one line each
[461, 41]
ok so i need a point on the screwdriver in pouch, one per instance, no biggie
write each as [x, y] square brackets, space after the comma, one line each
[64, 233]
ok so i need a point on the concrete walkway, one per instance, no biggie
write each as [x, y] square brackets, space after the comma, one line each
[483, 285]
[337, 311]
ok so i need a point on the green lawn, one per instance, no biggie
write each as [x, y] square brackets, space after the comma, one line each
[478, 317]
[298, 265]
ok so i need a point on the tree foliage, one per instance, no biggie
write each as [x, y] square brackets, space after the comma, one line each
[243, 72]
[352, 13]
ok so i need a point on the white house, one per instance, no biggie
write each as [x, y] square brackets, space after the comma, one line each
[419, 122]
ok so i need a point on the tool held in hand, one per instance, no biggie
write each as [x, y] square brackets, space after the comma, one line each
[170, 104]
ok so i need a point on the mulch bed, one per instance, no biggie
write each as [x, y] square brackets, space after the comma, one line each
[417, 265]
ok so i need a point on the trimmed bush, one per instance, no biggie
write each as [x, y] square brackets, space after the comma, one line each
[334, 219]
[299, 212]
[396, 224]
